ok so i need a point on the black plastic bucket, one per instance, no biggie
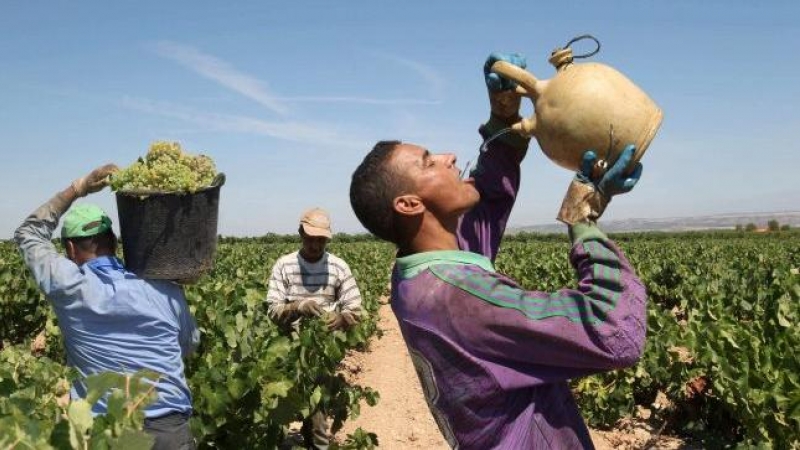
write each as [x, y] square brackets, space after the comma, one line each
[169, 236]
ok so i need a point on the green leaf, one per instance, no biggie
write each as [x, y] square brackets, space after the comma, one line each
[241, 324]
[115, 405]
[315, 397]
[133, 440]
[99, 384]
[81, 421]
[142, 382]
[277, 388]
[783, 311]
[728, 337]
[230, 336]
[236, 387]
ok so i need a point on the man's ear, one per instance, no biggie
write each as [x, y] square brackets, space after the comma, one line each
[69, 248]
[408, 205]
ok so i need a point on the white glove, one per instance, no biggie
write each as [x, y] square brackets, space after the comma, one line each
[95, 181]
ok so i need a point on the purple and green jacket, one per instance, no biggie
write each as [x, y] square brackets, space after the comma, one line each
[493, 358]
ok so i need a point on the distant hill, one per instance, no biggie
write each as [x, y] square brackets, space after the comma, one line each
[712, 222]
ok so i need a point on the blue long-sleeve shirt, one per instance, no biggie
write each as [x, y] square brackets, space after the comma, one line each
[112, 320]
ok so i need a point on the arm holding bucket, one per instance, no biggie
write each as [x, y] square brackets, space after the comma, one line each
[51, 270]
[95, 181]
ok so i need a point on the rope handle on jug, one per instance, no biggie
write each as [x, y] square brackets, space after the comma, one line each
[580, 38]
[564, 55]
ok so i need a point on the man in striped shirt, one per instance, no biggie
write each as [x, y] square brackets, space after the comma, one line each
[309, 283]
[494, 359]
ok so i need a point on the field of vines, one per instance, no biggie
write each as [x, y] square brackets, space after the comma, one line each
[721, 364]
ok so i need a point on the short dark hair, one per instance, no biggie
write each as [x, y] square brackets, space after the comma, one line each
[103, 243]
[373, 188]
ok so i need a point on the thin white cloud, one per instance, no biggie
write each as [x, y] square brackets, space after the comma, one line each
[287, 130]
[225, 74]
[435, 80]
[361, 100]
[220, 71]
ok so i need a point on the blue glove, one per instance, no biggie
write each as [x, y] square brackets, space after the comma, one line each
[586, 198]
[494, 81]
[615, 181]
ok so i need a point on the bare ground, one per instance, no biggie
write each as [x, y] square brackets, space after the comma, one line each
[401, 418]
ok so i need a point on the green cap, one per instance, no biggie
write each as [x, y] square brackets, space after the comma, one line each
[85, 220]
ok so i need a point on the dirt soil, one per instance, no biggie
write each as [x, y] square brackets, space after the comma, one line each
[401, 418]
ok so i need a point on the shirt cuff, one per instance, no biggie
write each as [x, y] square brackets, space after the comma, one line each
[585, 231]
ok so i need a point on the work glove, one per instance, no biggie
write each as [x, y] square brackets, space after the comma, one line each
[340, 320]
[587, 197]
[503, 97]
[95, 181]
[290, 311]
[496, 82]
[308, 308]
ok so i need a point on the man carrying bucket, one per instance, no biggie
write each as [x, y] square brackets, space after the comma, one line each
[111, 320]
[494, 359]
[312, 282]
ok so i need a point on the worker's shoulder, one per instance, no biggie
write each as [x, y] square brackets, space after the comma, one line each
[337, 261]
[458, 269]
[287, 258]
[166, 288]
[469, 277]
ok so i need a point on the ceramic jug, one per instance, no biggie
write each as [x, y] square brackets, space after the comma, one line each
[584, 106]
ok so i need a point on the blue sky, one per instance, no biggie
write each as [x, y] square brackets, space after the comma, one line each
[287, 97]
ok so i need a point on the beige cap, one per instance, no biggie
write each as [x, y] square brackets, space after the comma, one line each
[316, 222]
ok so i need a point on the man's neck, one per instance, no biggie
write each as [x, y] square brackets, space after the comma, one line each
[432, 235]
[311, 260]
[86, 257]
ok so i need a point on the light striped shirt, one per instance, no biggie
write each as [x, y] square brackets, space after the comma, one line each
[329, 281]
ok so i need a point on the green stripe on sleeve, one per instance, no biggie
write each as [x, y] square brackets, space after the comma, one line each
[584, 231]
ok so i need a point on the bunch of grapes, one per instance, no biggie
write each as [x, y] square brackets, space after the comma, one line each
[166, 168]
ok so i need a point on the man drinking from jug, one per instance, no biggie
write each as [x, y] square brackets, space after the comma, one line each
[494, 359]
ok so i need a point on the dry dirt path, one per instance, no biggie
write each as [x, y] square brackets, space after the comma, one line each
[401, 418]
